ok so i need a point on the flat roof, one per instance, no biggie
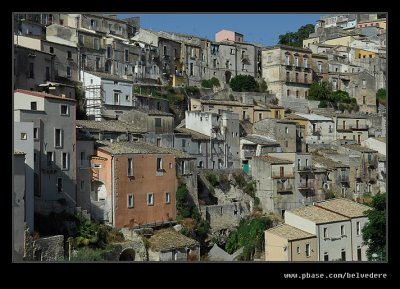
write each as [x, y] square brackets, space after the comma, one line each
[344, 207]
[290, 233]
[318, 215]
[262, 140]
[108, 76]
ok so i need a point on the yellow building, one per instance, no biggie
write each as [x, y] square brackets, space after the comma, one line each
[307, 42]
[299, 120]
[287, 243]
[361, 53]
[344, 41]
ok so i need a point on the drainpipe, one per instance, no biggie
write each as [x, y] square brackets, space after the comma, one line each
[319, 245]
[113, 189]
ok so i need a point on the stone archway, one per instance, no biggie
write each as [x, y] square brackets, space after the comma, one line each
[127, 255]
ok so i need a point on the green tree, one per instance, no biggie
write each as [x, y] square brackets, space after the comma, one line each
[296, 38]
[215, 82]
[340, 96]
[320, 91]
[381, 96]
[374, 232]
[249, 235]
[244, 83]
[263, 86]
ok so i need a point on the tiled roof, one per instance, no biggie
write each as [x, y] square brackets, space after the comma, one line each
[359, 148]
[294, 116]
[262, 140]
[138, 147]
[290, 233]
[153, 112]
[313, 117]
[344, 207]
[109, 125]
[194, 134]
[328, 163]
[44, 95]
[169, 239]
[318, 215]
[273, 160]
[108, 76]
[225, 102]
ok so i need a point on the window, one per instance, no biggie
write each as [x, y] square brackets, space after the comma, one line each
[305, 94]
[24, 136]
[282, 171]
[298, 250]
[308, 250]
[158, 122]
[199, 147]
[50, 159]
[59, 185]
[343, 255]
[150, 199]
[116, 98]
[159, 164]
[359, 253]
[326, 256]
[288, 92]
[286, 130]
[64, 160]
[69, 54]
[64, 109]
[305, 62]
[297, 77]
[130, 201]
[34, 157]
[306, 78]
[183, 143]
[364, 101]
[31, 74]
[319, 66]
[364, 83]
[296, 61]
[108, 51]
[127, 98]
[69, 71]
[191, 72]
[158, 142]
[130, 167]
[81, 39]
[96, 43]
[287, 76]
[325, 232]
[260, 116]
[287, 60]
[93, 23]
[97, 62]
[83, 59]
[47, 73]
[342, 230]
[297, 94]
[164, 50]
[58, 137]
[167, 198]
[35, 133]
[358, 228]
[126, 55]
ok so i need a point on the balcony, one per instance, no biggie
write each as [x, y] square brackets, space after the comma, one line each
[358, 127]
[343, 178]
[249, 154]
[303, 185]
[304, 168]
[286, 186]
[282, 176]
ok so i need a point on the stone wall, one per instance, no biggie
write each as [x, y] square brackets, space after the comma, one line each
[226, 215]
[45, 249]
[297, 105]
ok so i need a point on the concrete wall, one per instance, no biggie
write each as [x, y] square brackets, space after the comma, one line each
[226, 215]
[124, 90]
[26, 146]
[83, 176]
[300, 223]
[275, 248]
[18, 207]
[28, 42]
[46, 123]
[22, 63]
[145, 180]
[301, 257]
[61, 59]
[375, 144]
[357, 239]
[334, 243]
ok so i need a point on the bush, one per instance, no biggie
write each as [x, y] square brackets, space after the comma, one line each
[231, 97]
[215, 82]
[206, 83]
[224, 183]
[87, 254]
[244, 83]
[213, 179]
[323, 104]
[262, 86]
[250, 189]
[192, 89]
[240, 180]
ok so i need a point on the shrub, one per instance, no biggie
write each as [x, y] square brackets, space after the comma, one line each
[87, 254]
[215, 82]
[206, 83]
[323, 104]
[213, 179]
[231, 97]
[240, 180]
